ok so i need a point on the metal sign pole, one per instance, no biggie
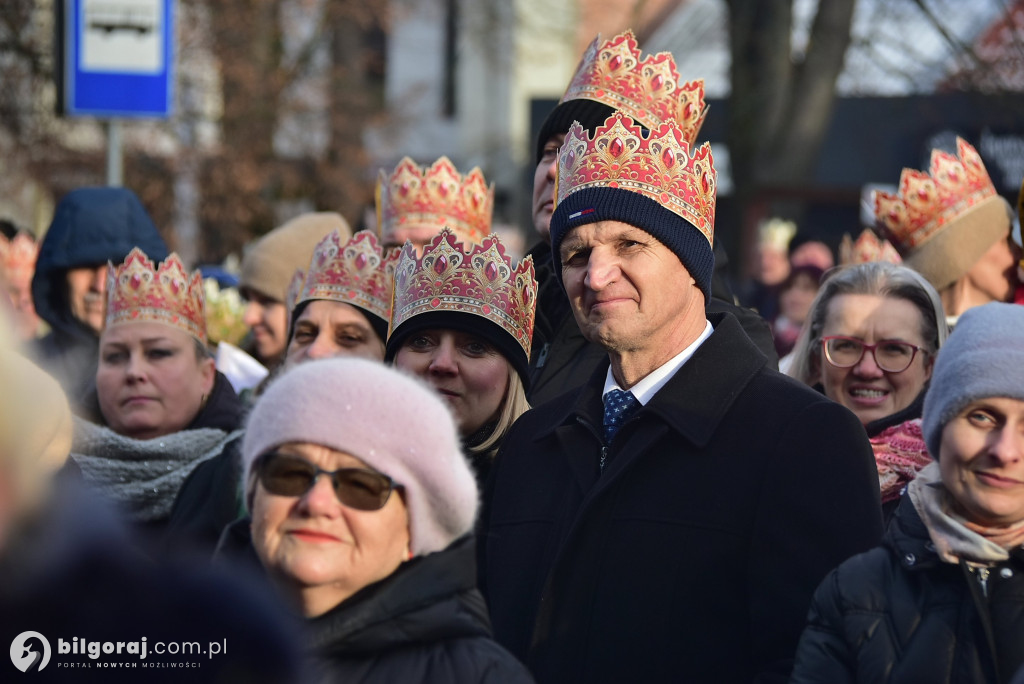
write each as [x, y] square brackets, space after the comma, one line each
[115, 154]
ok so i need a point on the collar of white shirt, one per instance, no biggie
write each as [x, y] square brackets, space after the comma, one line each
[656, 379]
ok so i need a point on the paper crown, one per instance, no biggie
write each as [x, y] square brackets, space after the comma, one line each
[437, 195]
[868, 247]
[139, 291]
[18, 254]
[359, 273]
[927, 202]
[482, 282]
[647, 90]
[658, 167]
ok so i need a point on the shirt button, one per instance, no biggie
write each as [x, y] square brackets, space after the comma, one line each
[910, 559]
[1006, 573]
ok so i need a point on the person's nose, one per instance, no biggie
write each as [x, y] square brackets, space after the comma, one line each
[99, 279]
[442, 360]
[602, 269]
[323, 347]
[252, 314]
[867, 367]
[320, 499]
[1007, 444]
[134, 369]
[552, 168]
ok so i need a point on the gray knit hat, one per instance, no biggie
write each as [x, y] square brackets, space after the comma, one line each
[391, 421]
[983, 357]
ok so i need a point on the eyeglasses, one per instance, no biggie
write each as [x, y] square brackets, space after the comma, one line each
[892, 356]
[358, 488]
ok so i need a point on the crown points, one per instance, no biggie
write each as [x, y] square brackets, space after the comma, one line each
[481, 281]
[139, 291]
[359, 273]
[648, 90]
[658, 166]
[927, 202]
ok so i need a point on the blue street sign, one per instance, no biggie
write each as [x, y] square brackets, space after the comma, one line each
[119, 58]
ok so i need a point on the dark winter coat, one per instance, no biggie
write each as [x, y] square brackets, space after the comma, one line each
[425, 623]
[91, 226]
[211, 496]
[561, 359]
[898, 614]
[694, 555]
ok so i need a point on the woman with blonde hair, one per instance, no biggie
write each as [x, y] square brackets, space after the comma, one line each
[463, 321]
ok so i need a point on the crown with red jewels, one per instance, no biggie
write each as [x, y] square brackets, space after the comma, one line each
[481, 281]
[18, 254]
[647, 90]
[437, 195]
[359, 273]
[868, 247]
[658, 167]
[927, 202]
[139, 291]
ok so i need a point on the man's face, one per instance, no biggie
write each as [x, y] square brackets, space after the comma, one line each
[87, 286]
[544, 186]
[629, 292]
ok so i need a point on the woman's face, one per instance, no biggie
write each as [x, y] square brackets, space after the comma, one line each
[325, 329]
[981, 458]
[864, 388]
[320, 548]
[468, 372]
[149, 381]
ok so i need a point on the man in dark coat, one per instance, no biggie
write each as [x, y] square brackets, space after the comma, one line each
[677, 532]
[91, 226]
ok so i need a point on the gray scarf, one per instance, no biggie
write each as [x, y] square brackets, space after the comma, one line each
[143, 476]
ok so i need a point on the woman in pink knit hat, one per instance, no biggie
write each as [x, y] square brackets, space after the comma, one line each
[365, 529]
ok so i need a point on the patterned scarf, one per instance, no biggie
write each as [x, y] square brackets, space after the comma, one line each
[954, 537]
[900, 454]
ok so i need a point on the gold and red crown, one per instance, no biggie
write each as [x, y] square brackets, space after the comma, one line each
[658, 167]
[647, 90]
[482, 281]
[927, 202]
[868, 247]
[437, 195]
[358, 272]
[139, 291]
[18, 253]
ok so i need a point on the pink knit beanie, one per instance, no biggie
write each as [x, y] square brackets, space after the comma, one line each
[389, 420]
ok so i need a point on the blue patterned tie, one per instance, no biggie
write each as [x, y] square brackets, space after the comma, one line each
[618, 407]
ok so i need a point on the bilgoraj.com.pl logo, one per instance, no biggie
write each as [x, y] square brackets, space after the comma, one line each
[30, 652]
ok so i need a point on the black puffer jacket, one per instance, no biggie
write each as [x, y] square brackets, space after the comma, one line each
[898, 614]
[425, 623]
[91, 226]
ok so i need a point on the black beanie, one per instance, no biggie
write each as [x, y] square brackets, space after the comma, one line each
[590, 114]
[591, 205]
[466, 322]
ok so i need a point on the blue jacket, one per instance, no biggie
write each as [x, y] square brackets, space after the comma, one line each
[91, 226]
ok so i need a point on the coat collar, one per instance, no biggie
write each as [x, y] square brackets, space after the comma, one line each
[697, 397]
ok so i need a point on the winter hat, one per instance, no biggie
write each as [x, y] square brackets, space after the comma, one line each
[983, 357]
[647, 179]
[270, 262]
[355, 405]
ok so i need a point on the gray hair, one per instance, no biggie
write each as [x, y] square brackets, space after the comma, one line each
[879, 278]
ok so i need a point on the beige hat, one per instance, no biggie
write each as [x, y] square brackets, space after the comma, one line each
[270, 262]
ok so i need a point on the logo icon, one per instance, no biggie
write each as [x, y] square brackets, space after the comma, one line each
[30, 651]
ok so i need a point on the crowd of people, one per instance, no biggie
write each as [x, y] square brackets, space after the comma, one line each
[580, 466]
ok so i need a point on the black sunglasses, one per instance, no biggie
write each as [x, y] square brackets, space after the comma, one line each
[358, 488]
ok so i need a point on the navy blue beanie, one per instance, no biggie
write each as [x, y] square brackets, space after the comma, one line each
[591, 205]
